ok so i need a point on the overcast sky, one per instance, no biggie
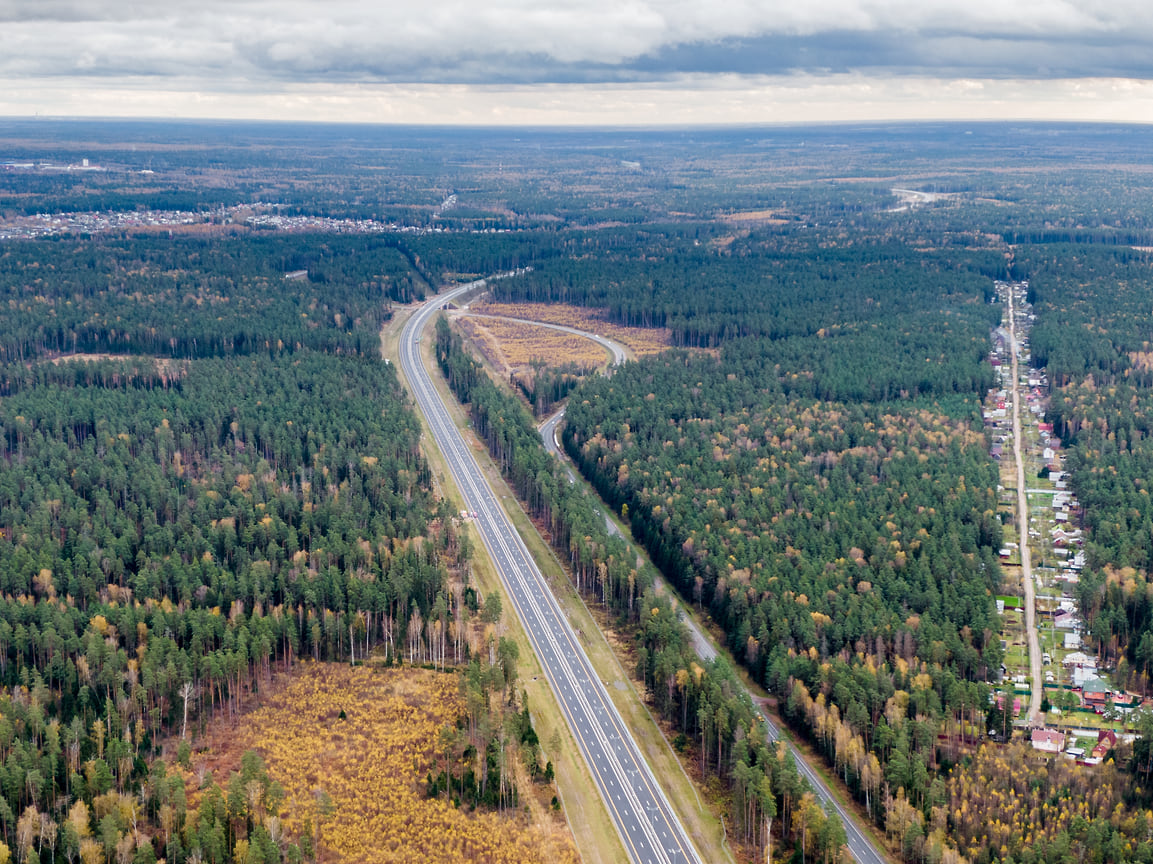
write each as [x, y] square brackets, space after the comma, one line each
[579, 61]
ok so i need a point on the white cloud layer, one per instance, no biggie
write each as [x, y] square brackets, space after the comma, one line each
[563, 61]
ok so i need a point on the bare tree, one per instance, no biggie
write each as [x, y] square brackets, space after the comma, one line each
[49, 832]
[187, 691]
[27, 829]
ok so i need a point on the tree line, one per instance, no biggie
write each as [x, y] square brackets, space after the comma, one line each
[704, 702]
[174, 528]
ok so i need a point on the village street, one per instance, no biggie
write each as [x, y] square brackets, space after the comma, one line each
[1069, 703]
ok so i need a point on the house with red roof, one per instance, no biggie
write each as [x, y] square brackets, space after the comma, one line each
[1106, 741]
[1048, 740]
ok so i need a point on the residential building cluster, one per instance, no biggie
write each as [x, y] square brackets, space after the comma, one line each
[258, 216]
[1072, 679]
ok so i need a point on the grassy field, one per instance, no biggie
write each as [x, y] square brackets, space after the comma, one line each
[513, 345]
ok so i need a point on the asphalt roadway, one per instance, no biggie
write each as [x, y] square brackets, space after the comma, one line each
[863, 849]
[615, 348]
[548, 433]
[649, 829]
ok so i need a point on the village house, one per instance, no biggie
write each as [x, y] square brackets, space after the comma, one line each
[1106, 741]
[1082, 674]
[1081, 667]
[1048, 740]
[1094, 694]
[1063, 619]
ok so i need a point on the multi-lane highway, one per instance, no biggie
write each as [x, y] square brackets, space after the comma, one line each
[648, 827]
[862, 847]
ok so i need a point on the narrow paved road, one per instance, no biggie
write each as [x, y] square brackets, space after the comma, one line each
[618, 351]
[648, 827]
[1037, 687]
[548, 434]
[860, 845]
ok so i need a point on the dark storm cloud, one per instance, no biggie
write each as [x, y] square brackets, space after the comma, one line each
[889, 52]
[528, 41]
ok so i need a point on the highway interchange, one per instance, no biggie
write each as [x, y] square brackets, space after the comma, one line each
[648, 827]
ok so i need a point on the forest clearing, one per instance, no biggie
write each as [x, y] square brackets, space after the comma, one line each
[642, 341]
[352, 747]
[514, 346]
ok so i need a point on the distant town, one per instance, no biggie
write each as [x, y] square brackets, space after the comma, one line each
[259, 216]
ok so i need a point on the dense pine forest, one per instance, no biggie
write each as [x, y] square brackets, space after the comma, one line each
[208, 473]
[711, 288]
[703, 700]
[818, 481]
[1095, 338]
[229, 481]
[834, 515]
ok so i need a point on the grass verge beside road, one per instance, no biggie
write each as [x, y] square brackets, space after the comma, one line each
[703, 826]
[592, 829]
